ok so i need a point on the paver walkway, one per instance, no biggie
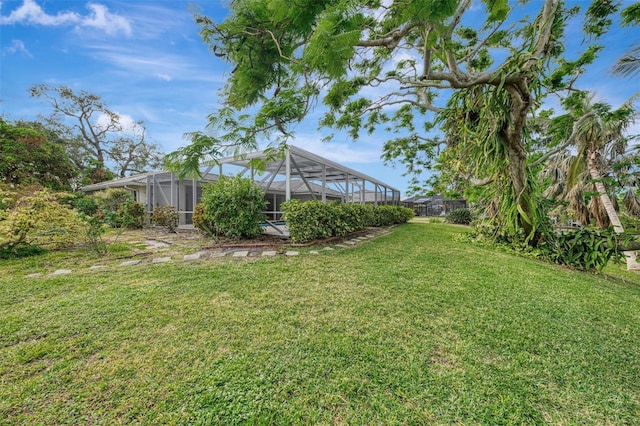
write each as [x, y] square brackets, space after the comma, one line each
[213, 254]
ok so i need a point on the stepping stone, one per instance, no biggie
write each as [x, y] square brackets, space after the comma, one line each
[61, 272]
[97, 267]
[314, 252]
[328, 248]
[241, 253]
[217, 254]
[161, 260]
[269, 253]
[341, 245]
[130, 263]
[194, 256]
[35, 275]
[151, 244]
[292, 253]
[351, 243]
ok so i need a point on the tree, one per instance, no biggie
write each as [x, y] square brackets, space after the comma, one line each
[96, 136]
[28, 156]
[599, 138]
[381, 66]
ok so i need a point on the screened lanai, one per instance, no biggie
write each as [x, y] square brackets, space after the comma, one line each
[295, 174]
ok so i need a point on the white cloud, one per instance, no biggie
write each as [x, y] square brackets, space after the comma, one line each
[129, 126]
[154, 63]
[102, 19]
[31, 13]
[16, 46]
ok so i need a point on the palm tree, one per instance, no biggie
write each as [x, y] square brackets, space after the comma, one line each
[629, 64]
[599, 138]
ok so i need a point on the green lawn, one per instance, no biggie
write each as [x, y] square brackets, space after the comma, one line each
[416, 327]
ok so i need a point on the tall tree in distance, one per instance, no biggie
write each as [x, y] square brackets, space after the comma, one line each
[403, 67]
[96, 136]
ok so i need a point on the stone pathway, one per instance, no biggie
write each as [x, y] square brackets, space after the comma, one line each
[217, 253]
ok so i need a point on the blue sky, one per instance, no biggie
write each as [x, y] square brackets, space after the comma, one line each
[148, 62]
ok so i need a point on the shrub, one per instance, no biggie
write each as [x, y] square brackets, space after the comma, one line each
[40, 220]
[234, 207]
[200, 222]
[81, 202]
[165, 216]
[460, 216]
[118, 208]
[110, 200]
[20, 251]
[132, 215]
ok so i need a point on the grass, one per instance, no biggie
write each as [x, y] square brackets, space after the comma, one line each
[413, 328]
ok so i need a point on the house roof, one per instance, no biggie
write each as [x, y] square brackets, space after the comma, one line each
[136, 180]
[305, 168]
[306, 165]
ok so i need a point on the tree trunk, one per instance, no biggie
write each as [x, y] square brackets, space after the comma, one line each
[518, 175]
[512, 134]
[594, 171]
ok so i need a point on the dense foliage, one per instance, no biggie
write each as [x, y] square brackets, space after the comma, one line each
[40, 220]
[584, 249]
[27, 156]
[313, 220]
[493, 67]
[234, 206]
[118, 209]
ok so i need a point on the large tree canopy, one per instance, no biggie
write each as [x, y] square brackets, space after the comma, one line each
[404, 67]
[29, 156]
[96, 137]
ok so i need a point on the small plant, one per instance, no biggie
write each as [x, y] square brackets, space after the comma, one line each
[460, 216]
[200, 222]
[94, 233]
[165, 216]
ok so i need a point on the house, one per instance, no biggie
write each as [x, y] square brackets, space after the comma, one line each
[436, 205]
[296, 174]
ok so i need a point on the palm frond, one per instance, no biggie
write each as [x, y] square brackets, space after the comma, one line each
[629, 64]
[599, 213]
[632, 202]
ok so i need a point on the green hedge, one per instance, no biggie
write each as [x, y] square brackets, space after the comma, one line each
[314, 220]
